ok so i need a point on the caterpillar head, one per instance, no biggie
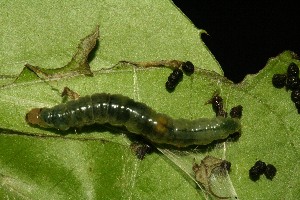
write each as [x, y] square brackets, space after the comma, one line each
[33, 117]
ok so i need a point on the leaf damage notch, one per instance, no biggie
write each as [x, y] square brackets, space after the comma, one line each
[78, 64]
[177, 66]
[214, 171]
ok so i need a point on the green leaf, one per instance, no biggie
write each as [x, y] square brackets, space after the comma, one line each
[98, 163]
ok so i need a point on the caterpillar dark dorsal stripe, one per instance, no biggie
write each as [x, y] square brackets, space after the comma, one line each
[137, 117]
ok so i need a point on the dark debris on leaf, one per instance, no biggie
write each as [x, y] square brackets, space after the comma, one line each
[188, 67]
[291, 81]
[236, 112]
[261, 168]
[270, 171]
[141, 149]
[278, 80]
[293, 70]
[174, 78]
[295, 95]
[254, 173]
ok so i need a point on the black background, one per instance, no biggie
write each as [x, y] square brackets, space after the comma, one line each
[244, 34]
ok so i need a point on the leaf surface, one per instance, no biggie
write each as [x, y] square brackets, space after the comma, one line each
[98, 163]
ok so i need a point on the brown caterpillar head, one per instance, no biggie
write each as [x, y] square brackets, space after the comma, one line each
[33, 117]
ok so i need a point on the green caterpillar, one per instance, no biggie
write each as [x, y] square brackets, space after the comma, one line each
[137, 117]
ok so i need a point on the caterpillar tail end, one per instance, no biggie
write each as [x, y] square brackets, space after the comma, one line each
[233, 125]
[237, 124]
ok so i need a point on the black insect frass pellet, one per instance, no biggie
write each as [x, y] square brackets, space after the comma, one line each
[293, 70]
[258, 169]
[270, 171]
[295, 95]
[261, 166]
[254, 173]
[217, 105]
[174, 78]
[292, 82]
[188, 67]
[297, 104]
[170, 86]
[279, 80]
[176, 75]
[236, 112]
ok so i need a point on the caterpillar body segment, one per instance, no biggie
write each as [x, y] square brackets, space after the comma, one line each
[137, 117]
